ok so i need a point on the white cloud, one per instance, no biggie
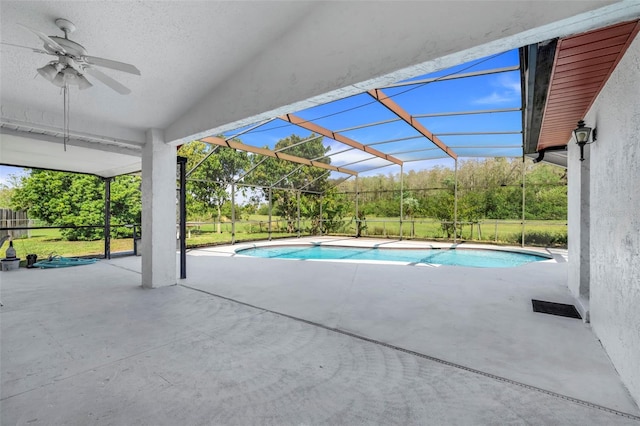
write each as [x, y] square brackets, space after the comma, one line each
[496, 98]
[349, 156]
[507, 89]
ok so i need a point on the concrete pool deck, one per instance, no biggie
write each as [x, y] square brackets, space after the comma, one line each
[299, 342]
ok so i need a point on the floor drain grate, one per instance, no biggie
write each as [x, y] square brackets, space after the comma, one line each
[552, 308]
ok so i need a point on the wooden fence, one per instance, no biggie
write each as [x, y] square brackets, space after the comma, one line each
[13, 219]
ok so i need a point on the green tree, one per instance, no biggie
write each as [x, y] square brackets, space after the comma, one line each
[68, 199]
[487, 189]
[208, 185]
[284, 174]
[410, 205]
[334, 208]
[126, 205]
[6, 193]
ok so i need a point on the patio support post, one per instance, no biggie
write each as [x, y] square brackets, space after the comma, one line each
[524, 171]
[401, 198]
[158, 211]
[321, 220]
[270, 213]
[233, 213]
[455, 204]
[182, 203]
[357, 211]
[298, 199]
[107, 218]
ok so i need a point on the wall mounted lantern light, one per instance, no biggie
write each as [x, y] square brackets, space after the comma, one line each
[582, 134]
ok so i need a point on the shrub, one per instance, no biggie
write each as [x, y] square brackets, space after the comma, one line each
[377, 230]
[542, 238]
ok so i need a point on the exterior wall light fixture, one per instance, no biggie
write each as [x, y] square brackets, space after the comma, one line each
[582, 134]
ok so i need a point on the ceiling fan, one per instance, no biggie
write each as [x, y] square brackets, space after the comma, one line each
[73, 63]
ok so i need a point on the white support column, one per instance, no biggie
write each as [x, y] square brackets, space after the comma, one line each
[158, 212]
[579, 206]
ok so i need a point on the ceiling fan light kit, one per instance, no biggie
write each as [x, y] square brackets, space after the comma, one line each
[50, 70]
[69, 76]
[73, 61]
[83, 83]
[72, 64]
[59, 80]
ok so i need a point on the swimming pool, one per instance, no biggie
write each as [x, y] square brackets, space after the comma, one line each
[460, 257]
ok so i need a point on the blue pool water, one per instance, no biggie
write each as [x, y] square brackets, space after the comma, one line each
[460, 257]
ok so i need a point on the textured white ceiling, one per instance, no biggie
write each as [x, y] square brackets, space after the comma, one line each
[183, 50]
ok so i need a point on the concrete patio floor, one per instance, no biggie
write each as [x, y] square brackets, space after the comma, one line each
[264, 341]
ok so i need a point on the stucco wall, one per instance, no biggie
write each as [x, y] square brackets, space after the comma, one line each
[615, 218]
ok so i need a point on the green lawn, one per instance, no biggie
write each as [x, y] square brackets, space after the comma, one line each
[46, 241]
[543, 233]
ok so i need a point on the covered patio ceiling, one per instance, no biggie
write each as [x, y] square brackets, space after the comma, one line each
[208, 68]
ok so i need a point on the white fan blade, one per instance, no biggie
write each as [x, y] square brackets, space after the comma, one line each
[27, 47]
[48, 40]
[107, 80]
[108, 63]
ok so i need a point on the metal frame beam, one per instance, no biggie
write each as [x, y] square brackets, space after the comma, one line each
[455, 205]
[182, 204]
[379, 167]
[337, 137]
[107, 217]
[269, 153]
[455, 76]
[314, 180]
[497, 132]
[481, 111]
[414, 150]
[337, 153]
[362, 160]
[247, 185]
[342, 181]
[233, 213]
[248, 172]
[247, 130]
[437, 114]
[209, 154]
[406, 138]
[404, 115]
[487, 146]
[424, 159]
[364, 126]
[291, 173]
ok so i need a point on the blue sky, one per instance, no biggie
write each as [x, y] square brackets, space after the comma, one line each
[494, 91]
[6, 172]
